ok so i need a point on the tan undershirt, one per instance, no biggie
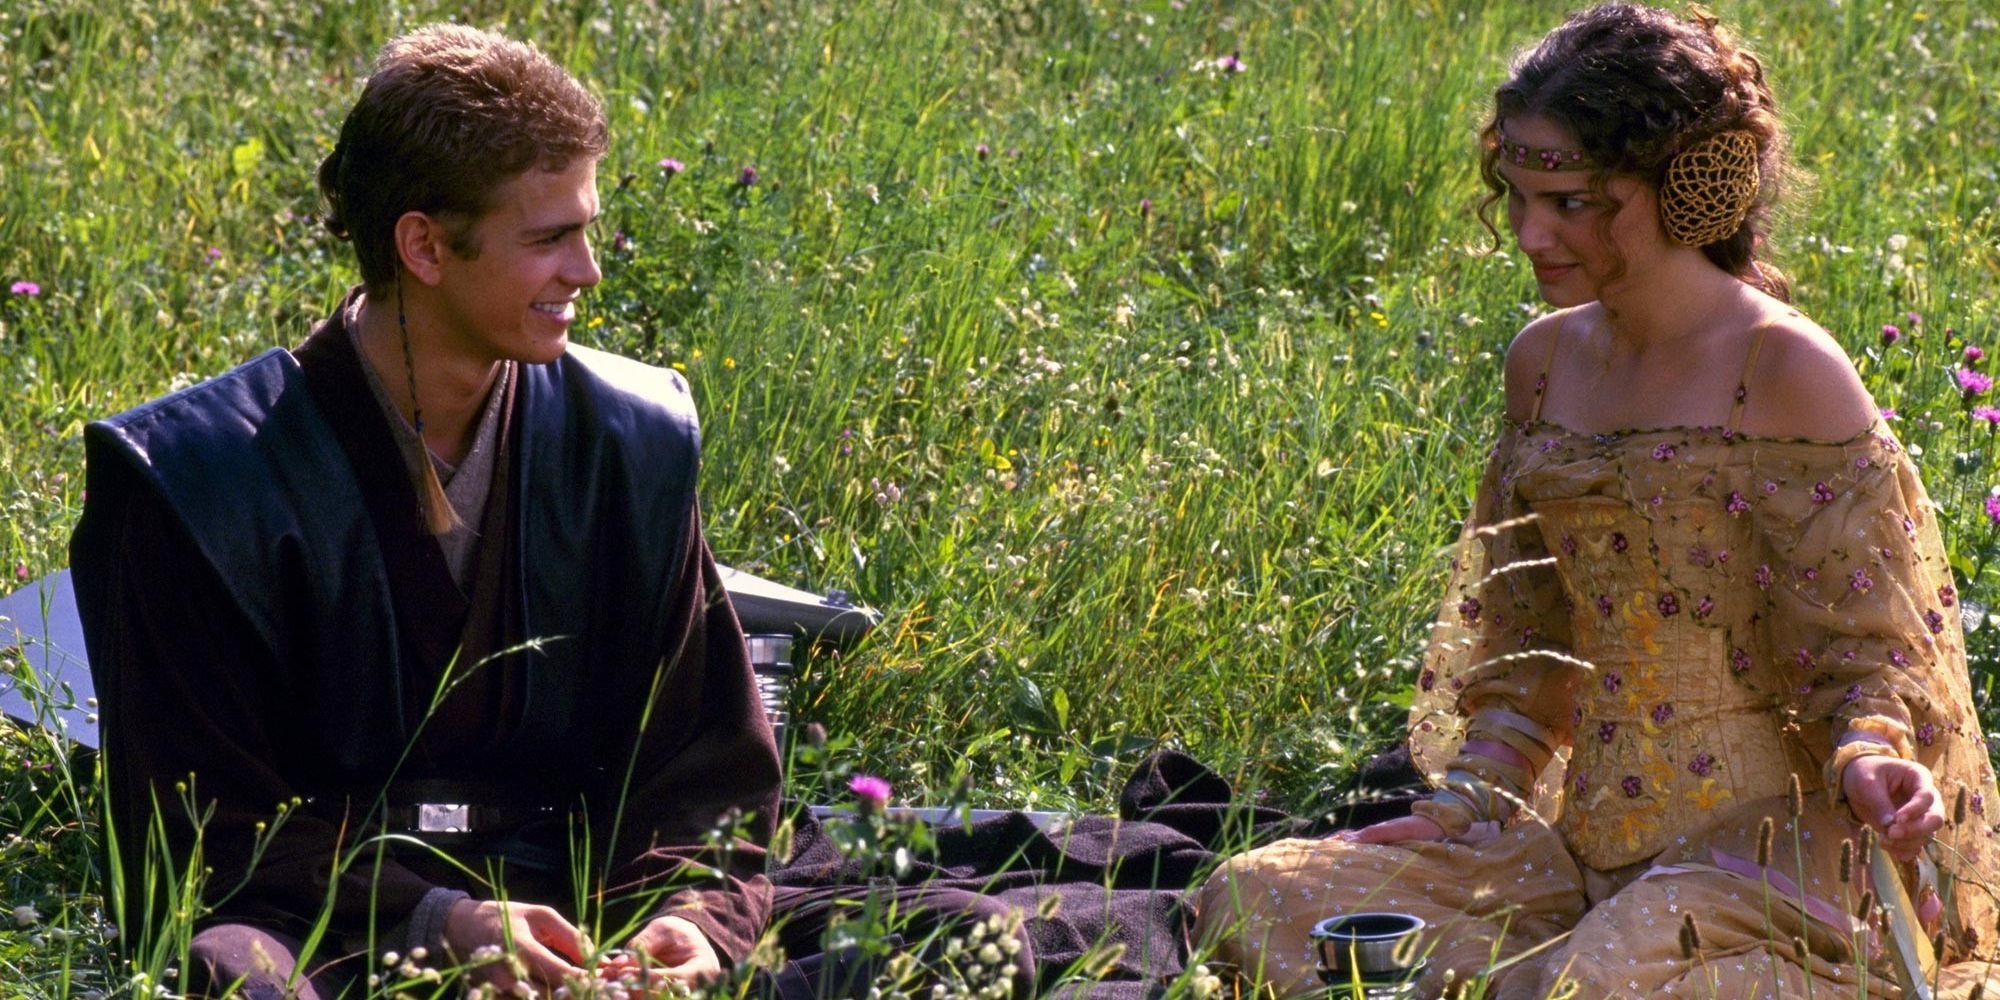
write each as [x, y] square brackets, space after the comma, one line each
[467, 484]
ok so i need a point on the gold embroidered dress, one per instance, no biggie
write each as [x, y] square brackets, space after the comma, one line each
[1695, 615]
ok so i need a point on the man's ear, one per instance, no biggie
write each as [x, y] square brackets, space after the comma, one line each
[420, 246]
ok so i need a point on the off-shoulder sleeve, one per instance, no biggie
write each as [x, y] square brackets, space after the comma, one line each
[1863, 618]
[1496, 669]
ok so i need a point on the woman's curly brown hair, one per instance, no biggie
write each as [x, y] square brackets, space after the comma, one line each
[1637, 84]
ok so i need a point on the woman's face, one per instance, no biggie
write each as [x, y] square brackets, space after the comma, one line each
[1561, 224]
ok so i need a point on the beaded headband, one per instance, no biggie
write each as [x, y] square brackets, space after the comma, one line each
[1521, 154]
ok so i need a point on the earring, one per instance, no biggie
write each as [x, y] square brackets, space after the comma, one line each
[1709, 189]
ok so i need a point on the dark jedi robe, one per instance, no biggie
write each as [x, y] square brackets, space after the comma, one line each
[268, 623]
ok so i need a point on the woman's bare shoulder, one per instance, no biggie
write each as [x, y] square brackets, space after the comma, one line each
[1803, 385]
[1529, 354]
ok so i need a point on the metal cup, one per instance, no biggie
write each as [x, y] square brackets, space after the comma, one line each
[1379, 950]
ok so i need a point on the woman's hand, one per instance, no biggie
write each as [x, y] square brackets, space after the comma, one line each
[1896, 797]
[1393, 831]
[548, 946]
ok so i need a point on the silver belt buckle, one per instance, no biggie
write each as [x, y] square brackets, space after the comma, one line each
[444, 817]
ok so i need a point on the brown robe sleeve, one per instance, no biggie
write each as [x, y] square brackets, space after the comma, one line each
[705, 757]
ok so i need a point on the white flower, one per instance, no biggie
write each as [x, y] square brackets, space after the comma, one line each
[25, 916]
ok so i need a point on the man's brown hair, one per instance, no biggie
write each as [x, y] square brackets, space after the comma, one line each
[448, 115]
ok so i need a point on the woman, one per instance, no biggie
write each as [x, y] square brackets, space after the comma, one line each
[1700, 633]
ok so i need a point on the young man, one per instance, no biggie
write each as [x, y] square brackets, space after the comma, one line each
[414, 627]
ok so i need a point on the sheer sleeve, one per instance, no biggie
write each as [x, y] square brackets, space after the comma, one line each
[1493, 705]
[1864, 617]
[1864, 622]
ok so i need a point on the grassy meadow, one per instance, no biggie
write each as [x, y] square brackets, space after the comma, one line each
[1136, 357]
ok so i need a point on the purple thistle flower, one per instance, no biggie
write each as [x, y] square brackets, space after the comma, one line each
[1988, 414]
[1145, 208]
[982, 151]
[1890, 334]
[25, 288]
[671, 166]
[214, 254]
[1914, 318]
[1973, 384]
[1973, 355]
[871, 791]
[1888, 413]
[1231, 63]
[1993, 509]
[748, 178]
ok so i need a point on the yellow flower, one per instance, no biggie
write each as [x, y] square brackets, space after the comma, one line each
[728, 362]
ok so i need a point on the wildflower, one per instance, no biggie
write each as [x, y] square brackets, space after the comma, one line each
[748, 178]
[1993, 509]
[1915, 319]
[1890, 334]
[1145, 208]
[671, 166]
[26, 288]
[982, 151]
[20, 571]
[873, 792]
[25, 916]
[621, 242]
[1973, 355]
[215, 253]
[1988, 414]
[1888, 413]
[1973, 384]
[1231, 64]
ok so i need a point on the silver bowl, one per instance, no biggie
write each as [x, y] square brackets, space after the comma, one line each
[1370, 945]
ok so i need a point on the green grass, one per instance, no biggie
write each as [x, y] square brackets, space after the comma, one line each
[1181, 385]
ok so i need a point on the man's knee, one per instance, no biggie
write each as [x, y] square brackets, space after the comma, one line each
[245, 960]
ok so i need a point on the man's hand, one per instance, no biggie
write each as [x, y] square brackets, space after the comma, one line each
[1898, 798]
[678, 949]
[548, 946]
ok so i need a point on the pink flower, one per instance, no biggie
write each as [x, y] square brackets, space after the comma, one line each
[982, 151]
[1973, 355]
[1988, 414]
[1230, 63]
[871, 791]
[748, 178]
[1993, 509]
[20, 571]
[1145, 208]
[1890, 334]
[1888, 413]
[1915, 319]
[1973, 384]
[671, 166]
[214, 254]
[25, 288]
